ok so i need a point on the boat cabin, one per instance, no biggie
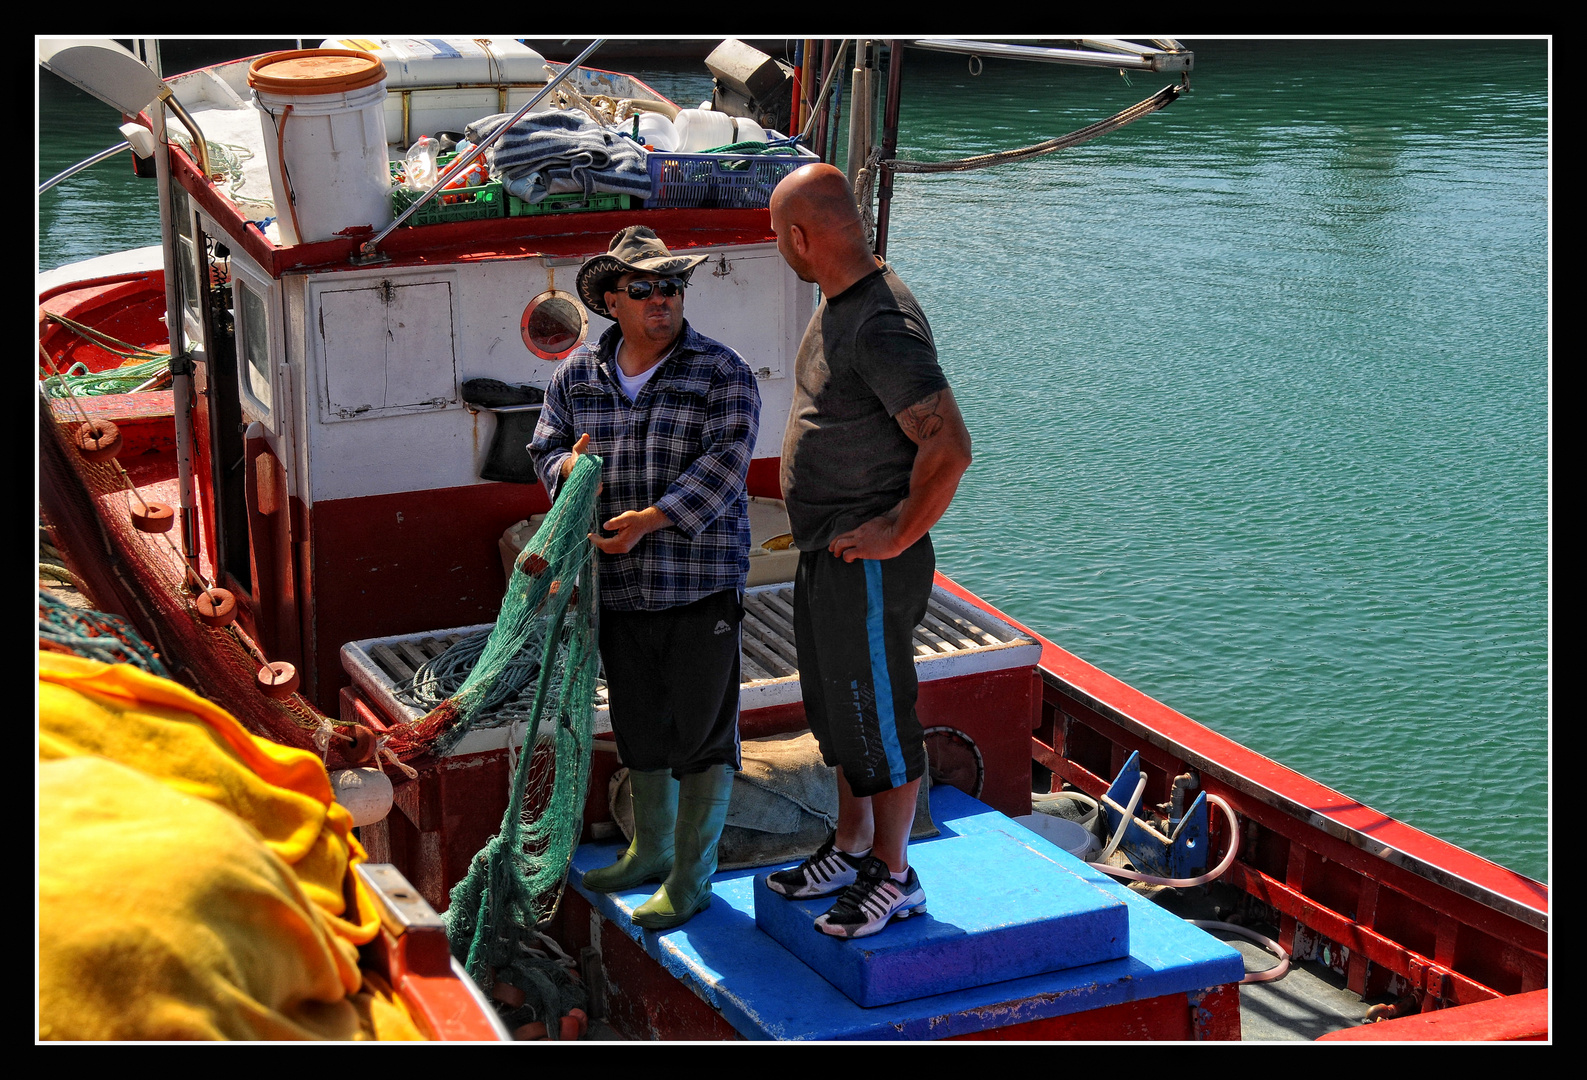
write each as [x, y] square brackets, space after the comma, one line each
[345, 459]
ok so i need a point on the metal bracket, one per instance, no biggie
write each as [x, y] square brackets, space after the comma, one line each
[1182, 854]
[415, 935]
[368, 255]
[402, 909]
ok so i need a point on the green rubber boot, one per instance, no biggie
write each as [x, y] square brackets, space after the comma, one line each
[702, 811]
[649, 856]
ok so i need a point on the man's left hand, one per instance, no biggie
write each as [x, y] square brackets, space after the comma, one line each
[631, 526]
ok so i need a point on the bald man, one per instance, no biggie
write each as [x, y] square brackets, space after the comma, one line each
[871, 458]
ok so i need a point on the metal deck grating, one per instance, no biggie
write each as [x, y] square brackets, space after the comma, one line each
[951, 629]
[769, 634]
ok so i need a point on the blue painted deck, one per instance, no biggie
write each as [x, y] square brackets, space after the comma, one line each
[767, 992]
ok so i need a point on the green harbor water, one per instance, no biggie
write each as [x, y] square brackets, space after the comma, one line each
[1259, 386]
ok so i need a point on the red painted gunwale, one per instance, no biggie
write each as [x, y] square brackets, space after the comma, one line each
[1520, 1018]
[449, 243]
[1237, 761]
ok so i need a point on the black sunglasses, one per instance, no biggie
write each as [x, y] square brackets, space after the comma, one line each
[668, 287]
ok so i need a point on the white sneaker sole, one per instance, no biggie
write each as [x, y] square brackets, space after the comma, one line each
[867, 929]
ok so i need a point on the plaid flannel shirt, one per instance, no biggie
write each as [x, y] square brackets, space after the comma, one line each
[684, 447]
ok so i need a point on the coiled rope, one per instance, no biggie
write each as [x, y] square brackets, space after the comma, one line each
[443, 676]
[141, 369]
[779, 147]
[1278, 970]
[227, 160]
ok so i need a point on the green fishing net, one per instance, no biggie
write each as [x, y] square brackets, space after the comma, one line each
[515, 882]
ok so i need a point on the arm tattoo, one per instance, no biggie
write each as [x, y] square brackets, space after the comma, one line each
[923, 419]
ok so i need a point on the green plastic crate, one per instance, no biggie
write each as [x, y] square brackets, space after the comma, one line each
[571, 203]
[468, 203]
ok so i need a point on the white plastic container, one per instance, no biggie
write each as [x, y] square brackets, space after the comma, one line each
[322, 112]
[745, 130]
[702, 129]
[706, 129]
[656, 131]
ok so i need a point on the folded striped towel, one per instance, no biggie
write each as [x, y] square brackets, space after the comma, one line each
[562, 151]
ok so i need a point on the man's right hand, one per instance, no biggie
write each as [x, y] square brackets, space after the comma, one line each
[573, 455]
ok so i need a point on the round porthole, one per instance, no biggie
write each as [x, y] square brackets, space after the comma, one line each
[553, 325]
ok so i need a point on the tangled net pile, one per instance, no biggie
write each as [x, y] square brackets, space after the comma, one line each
[515, 882]
[95, 635]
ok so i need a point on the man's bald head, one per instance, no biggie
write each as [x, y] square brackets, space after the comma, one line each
[818, 227]
[817, 198]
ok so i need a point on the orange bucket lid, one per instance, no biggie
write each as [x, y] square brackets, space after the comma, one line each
[315, 71]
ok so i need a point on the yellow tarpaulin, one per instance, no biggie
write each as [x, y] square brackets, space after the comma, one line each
[195, 882]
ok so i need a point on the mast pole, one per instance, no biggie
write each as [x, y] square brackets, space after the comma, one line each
[823, 106]
[181, 362]
[884, 184]
[859, 112]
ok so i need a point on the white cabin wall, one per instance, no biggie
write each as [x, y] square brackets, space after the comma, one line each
[752, 303]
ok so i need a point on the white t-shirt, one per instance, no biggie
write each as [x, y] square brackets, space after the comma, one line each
[632, 385]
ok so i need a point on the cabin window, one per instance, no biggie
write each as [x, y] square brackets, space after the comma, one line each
[553, 325]
[253, 338]
[188, 257]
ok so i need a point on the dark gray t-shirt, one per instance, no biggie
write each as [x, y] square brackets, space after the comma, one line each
[866, 356]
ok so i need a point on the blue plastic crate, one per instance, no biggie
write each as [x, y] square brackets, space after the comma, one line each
[718, 181]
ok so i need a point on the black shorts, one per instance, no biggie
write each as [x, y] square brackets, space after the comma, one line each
[854, 627]
[672, 679]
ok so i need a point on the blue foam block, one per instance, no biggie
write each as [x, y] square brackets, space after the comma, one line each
[997, 909]
[765, 992]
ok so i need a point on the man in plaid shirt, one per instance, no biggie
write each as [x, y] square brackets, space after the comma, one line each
[673, 415]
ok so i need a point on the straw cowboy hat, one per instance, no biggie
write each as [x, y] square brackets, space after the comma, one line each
[635, 250]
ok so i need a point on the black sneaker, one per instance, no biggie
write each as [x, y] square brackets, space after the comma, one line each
[873, 901]
[826, 872]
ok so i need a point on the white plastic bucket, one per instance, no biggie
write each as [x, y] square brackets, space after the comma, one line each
[322, 112]
[1073, 837]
